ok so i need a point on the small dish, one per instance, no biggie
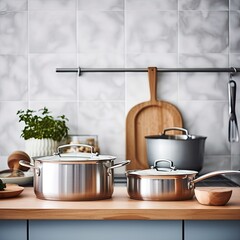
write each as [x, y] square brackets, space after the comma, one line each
[11, 190]
[215, 196]
[25, 180]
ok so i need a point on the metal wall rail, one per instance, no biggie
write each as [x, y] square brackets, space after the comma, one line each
[79, 70]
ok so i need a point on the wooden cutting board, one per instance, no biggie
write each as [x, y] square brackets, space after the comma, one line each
[148, 118]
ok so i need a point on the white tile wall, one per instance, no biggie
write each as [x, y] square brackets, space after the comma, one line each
[13, 32]
[203, 31]
[13, 5]
[215, 5]
[37, 36]
[46, 84]
[151, 31]
[51, 5]
[13, 77]
[52, 31]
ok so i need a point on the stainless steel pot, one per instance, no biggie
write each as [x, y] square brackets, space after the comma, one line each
[165, 184]
[80, 176]
[186, 151]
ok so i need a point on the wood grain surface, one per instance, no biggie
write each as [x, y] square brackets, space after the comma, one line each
[11, 190]
[215, 196]
[120, 207]
[148, 118]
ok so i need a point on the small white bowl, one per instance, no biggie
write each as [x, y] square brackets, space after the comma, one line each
[25, 180]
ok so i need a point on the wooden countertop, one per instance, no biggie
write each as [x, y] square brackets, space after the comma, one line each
[119, 207]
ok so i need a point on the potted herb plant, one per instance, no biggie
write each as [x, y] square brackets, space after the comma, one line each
[42, 131]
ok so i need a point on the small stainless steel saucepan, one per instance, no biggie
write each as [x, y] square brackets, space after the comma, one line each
[80, 176]
[165, 184]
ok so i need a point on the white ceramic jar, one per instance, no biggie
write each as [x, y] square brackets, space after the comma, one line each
[40, 147]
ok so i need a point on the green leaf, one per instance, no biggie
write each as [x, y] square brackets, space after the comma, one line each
[40, 124]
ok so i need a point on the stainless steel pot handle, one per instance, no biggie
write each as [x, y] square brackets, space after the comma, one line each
[29, 165]
[175, 128]
[92, 154]
[209, 175]
[171, 166]
[117, 165]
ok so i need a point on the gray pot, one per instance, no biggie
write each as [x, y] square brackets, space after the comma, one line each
[80, 176]
[185, 151]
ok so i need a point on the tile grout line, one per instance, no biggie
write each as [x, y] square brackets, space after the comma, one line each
[178, 52]
[77, 61]
[28, 57]
[125, 57]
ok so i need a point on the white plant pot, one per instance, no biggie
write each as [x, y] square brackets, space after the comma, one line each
[40, 147]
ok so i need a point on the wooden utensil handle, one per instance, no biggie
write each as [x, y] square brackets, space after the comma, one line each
[13, 160]
[152, 77]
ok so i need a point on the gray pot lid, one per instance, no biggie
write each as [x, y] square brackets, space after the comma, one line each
[186, 136]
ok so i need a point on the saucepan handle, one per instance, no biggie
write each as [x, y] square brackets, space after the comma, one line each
[209, 175]
[175, 128]
[170, 168]
[117, 165]
[29, 165]
[79, 154]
